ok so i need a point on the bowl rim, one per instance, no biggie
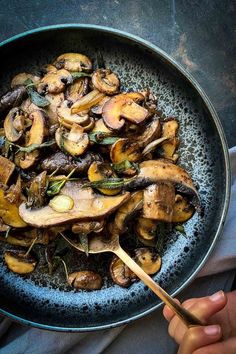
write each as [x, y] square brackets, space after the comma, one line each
[226, 161]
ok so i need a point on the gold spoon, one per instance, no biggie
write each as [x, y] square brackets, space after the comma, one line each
[99, 244]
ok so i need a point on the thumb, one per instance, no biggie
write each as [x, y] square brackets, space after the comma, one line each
[228, 346]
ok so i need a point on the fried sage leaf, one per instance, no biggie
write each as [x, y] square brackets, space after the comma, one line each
[102, 139]
[34, 96]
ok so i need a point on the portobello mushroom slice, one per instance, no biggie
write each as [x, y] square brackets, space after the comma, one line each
[6, 169]
[55, 82]
[13, 98]
[158, 202]
[123, 106]
[183, 210]
[77, 90]
[148, 260]
[18, 262]
[101, 170]
[120, 273]
[87, 206]
[170, 129]
[73, 62]
[14, 125]
[87, 101]
[162, 170]
[106, 81]
[85, 279]
[9, 212]
[64, 164]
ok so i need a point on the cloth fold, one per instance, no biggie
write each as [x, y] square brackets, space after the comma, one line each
[150, 331]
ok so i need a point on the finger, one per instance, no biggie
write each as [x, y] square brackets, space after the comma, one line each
[203, 308]
[226, 347]
[168, 313]
[197, 337]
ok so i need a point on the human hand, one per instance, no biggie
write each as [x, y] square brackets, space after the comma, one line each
[218, 336]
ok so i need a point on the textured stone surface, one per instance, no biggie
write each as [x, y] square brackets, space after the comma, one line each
[200, 35]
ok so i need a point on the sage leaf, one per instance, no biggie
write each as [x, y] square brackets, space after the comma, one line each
[181, 229]
[102, 139]
[34, 96]
[76, 75]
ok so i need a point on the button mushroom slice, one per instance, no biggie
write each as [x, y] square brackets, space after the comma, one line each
[100, 127]
[13, 98]
[146, 230]
[120, 273]
[37, 190]
[26, 238]
[75, 142]
[77, 90]
[28, 107]
[87, 101]
[106, 81]
[152, 132]
[21, 78]
[125, 149]
[99, 171]
[158, 202]
[9, 212]
[55, 82]
[66, 118]
[183, 210]
[14, 125]
[162, 170]
[55, 101]
[99, 107]
[36, 136]
[87, 206]
[18, 262]
[85, 279]
[170, 128]
[148, 260]
[127, 210]
[73, 62]
[6, 169]
[123, 106]
[90, 125]
[86, 227]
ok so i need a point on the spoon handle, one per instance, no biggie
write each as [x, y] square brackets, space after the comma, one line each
[189, 319]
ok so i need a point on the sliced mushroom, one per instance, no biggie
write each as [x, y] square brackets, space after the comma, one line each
[125, 149]
[87, 206]
[123, 106]
[100, 127]
[75, 142]
[106, 81]
[25, 238]
[146, 230]
[6, 169]
[18, 262]
[86, 227]
[14, 125]
[90, 125]
[99, 171]
[21, 78]
[183, 210]
[73, 62]
[86, 280]
[148, 260]
[65, 164]
[66, 118]
[170, 129]
[152, 132]
[13, 98]
[37, 191]
[36, 136]
[162, 170]
[158, 202]
[9, 212]
[55, 101]
[77, 90]
[14, 192]
[55, 82]
[87, 101]
[127, 210]
[28, 107]
[99, 107]
[120, 273]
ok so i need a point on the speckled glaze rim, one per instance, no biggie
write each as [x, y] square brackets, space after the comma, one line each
[224, 146]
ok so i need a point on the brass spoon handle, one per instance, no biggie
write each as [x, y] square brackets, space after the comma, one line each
[189, 319]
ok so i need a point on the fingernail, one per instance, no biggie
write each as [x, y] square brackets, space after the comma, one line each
[212, 330]
[217, 296]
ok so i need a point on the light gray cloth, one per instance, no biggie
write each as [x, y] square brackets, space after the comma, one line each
[147, 335]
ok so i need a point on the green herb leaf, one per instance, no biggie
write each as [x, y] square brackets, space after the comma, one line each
[34, 96]
[33, 147]
[108, 183]
[125, 165]
[76, 75]
[102, 139]
[181, 229]
[55, 187]
[83, 238]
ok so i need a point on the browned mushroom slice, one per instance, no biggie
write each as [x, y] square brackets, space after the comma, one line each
[183, 211]
[100, 127]
[148, 260]
[87, 206]
[75, 142]
[66, 118]
[26, 238]
[21, 78]
[49, 68]
[9, 212]
[36, 136]
[86, 280]
[106, 81]
[86, 227]
[152, 131]
[37, 190]
[99, 171]
[6, 169]
[87, 101]
[125, 149]
[90, 125]
[127, 210]
[77, 90]
[120, 273]
[146, 230]
[158, 202]
[14, 125]
[73, 62]
[123, 106]
[18, 262]
[28, 107]
[98, 108]
[170, 129]
[55, 101]
[54, 82]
